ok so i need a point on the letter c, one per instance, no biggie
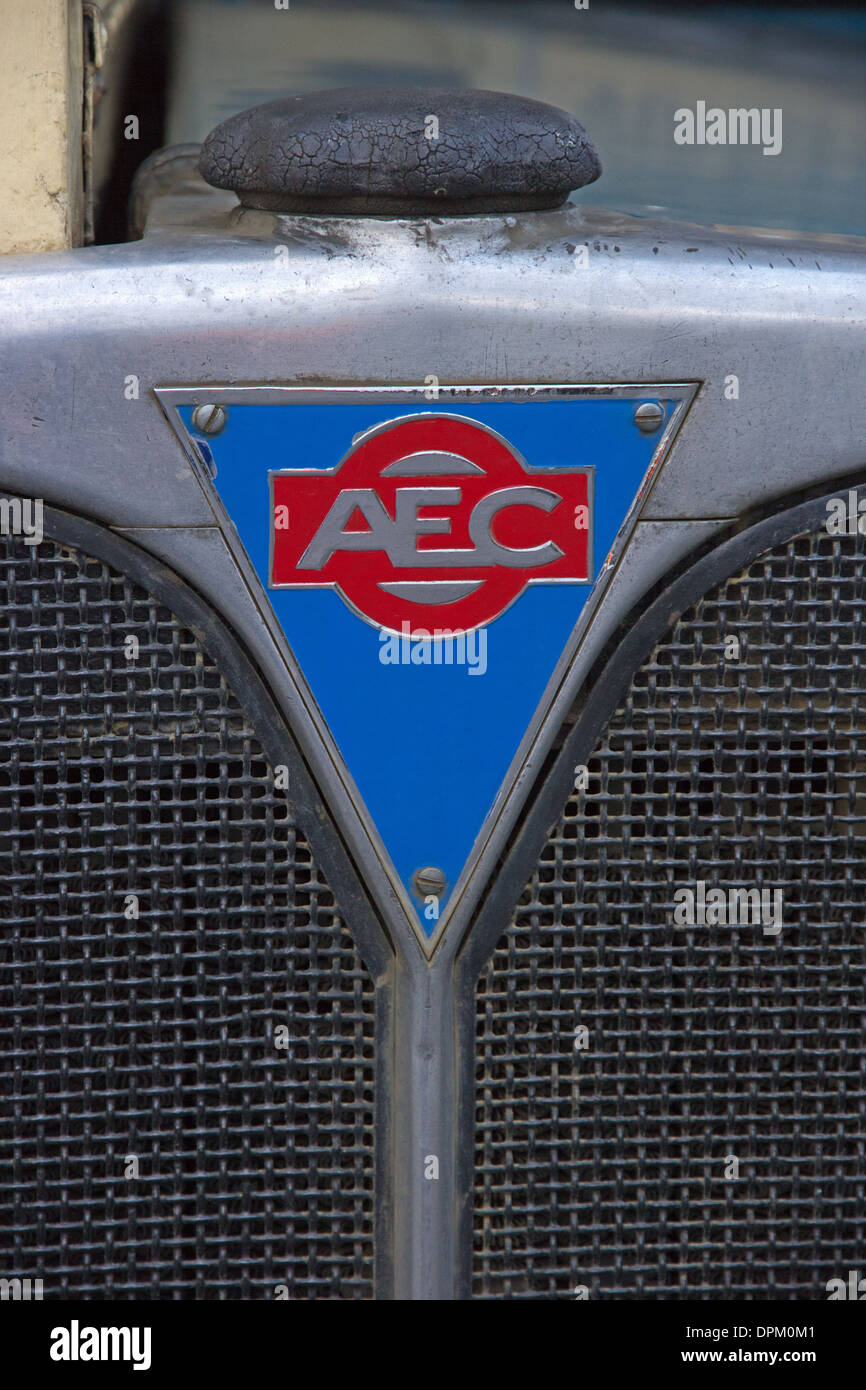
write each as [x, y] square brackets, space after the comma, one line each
[489, 551]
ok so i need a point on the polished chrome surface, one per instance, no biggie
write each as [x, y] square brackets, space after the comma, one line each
[568, 295]
[770, 330]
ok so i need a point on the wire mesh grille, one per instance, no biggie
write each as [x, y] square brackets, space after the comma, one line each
[605, 1159]
[162, 920]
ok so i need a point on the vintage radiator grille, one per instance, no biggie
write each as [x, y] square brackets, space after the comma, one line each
[605, 1166]
[151, 1040]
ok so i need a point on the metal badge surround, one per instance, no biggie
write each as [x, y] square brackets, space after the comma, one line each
[392, 878]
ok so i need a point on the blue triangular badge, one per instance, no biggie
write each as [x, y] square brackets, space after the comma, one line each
[427, 563]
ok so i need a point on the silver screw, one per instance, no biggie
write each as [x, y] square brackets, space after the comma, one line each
[429, 881]
[648, 417]
[209, 419]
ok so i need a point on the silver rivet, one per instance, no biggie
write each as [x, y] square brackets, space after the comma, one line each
[209, 419]
[648, 417]
[429, 882]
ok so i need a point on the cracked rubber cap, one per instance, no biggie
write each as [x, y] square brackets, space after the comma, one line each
[400, 152]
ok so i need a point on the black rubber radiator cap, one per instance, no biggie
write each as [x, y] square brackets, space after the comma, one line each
[413, 151]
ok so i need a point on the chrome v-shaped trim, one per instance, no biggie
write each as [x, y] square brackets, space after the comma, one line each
[308, 724]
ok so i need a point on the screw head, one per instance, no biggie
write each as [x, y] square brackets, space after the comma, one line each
[209, 419]
[429, 882]
[648, 417]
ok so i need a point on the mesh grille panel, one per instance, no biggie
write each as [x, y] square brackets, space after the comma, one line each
[604, 1165]
[151, 1040]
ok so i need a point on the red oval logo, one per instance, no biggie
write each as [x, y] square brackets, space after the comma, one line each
[431, 523]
